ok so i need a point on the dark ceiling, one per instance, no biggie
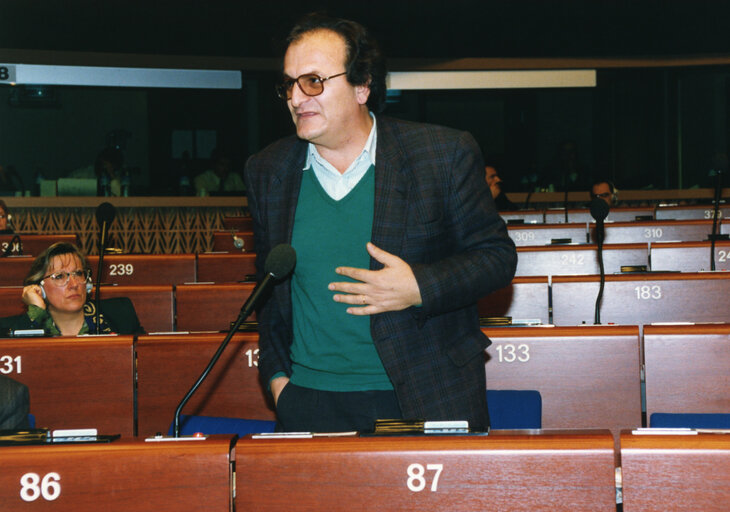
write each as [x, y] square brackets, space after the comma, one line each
[407, 29]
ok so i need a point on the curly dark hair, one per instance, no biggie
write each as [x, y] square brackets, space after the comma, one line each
[364, 63]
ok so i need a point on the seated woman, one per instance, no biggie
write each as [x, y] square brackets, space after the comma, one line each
[4, 218]
[56, 292]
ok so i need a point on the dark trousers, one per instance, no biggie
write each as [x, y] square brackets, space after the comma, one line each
[302, 409]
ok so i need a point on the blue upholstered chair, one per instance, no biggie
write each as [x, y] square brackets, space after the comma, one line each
[508, 409]
[691, 420]
[514, 409]
[218, 425]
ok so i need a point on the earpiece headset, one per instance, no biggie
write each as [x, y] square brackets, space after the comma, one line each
[238, 242]
[614, 192]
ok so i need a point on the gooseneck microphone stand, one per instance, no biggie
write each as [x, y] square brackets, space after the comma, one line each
[599, 211]
[279, 263]
[714, 236]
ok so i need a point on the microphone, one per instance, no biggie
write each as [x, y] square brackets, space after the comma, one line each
[716, 214]
[105, 214]
[279, 263]
[599, 212]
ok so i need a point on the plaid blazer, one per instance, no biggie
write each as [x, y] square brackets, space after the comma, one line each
[14, 403]
[434, 210]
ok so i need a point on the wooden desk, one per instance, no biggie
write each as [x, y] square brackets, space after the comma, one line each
[14, 269]
[526, 298]
[675, 472]
[654, 231]
[638, 299]
[226, 267]
[543, 234]
[168, 365]
[85, 382]
[621, 214]
[687, 368]
[224, 241]
[238, 223]
[119, 476]
[210, 307]
[525, 216]
[516, 471]
[553, 260]
[689, 256]
[706, 211]
[33, 245]
[588, 376]
[142, 269]
[154, 304]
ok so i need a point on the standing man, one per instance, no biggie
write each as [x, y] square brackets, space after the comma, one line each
[396, 237]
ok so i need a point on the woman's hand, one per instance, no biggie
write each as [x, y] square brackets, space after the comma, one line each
[32, 294]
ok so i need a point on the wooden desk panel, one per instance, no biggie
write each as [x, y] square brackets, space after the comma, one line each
[689, 256]
[588, 376]
[120, 476]
[526, 298]
[14, 269]
[238, 223]
[543, 234]
[687, 368]
[167, 366]
[210, 307]
[675, 472]
[85, 382]
[578, 259]
[518, 472]
[226, 267]
[10, 301]
[33, 245]
[142, 269]
[622, 214]
[223, 241]
[639, 299]
[699, 212]
[654, 231]
[154, 305]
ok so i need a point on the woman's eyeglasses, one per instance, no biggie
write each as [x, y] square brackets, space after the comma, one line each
[62, 278]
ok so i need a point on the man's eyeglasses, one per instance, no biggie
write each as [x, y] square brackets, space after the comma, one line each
[310, 84]
[602, 195]
[62, 278]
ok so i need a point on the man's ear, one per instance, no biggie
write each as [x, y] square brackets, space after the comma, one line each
[362, 93]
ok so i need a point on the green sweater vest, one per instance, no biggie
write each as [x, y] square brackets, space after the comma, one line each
[332, 350]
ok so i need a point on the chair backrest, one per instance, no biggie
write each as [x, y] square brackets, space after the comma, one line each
[218, 425]
[692, 420]
[514, 409]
